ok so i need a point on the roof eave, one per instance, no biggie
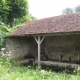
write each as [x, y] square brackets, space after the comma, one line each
[46, 34]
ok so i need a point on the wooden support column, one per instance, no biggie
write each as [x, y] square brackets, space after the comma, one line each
[39, 41]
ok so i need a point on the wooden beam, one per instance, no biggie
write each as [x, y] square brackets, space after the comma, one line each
[36, 39]
[39, 41]
[42, 40]
[58, 64]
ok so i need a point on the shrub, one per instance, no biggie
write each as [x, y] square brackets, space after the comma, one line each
[4, 32]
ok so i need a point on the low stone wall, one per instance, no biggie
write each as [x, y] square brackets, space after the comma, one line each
[18, 47]
[63, 47]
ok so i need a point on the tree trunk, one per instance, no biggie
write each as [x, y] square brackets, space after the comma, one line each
[11, 20]
[11, 24]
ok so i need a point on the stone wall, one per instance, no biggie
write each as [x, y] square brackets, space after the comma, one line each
[18, 47]
[60, 47]
[63, 47]
[34, 48]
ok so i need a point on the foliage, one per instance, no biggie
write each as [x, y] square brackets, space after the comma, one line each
[12, 13]
[4, 32]
[70, 10]
[24, 19]
[11, 10]
[15, 72]
[32, 17]
[6, 61]
[77, 9]
[12, 71]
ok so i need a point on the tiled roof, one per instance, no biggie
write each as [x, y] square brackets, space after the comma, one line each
[62, 23]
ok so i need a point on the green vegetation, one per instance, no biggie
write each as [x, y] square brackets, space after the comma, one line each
[4, 32]
[10, 70]
[13, 10]
[13, 13]
[70, 10]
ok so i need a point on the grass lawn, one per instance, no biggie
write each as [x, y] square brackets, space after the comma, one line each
[9, 71]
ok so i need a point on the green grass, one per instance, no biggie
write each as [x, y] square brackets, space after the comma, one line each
[10, 71]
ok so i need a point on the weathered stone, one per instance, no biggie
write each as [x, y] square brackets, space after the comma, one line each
[68, 46]
[18, 47]
[58, 48]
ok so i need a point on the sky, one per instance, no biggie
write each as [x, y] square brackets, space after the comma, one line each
[49, 8]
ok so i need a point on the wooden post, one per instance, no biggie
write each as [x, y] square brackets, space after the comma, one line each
[39, 48]
[39, 41]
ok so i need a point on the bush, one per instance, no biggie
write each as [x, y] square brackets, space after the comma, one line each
[4, 32]
[9, 71]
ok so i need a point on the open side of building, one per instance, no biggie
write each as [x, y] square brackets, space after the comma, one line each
[52, 39]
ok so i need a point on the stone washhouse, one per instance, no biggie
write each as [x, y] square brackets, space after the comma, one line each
[51, 39]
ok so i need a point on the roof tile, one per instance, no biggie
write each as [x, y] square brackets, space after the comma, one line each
[62, 23]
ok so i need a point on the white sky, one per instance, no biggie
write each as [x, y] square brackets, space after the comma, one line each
[49, 8]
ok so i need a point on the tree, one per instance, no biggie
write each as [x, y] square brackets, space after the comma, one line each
[32, 17]
[77, 9]
[68, 11]
[11, 10]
